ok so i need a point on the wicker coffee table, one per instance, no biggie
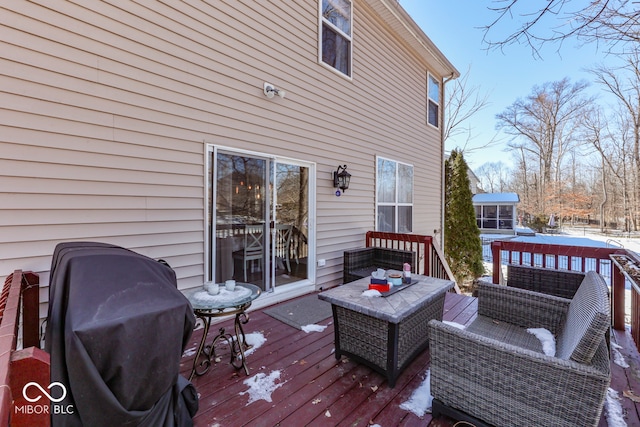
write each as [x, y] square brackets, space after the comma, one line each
[385, 333]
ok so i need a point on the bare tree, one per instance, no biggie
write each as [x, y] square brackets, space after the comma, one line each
[524, 180]
[463, 102]
[544, 129]
[612, 139]
[606, 22]
[624, 83]
[493, 176]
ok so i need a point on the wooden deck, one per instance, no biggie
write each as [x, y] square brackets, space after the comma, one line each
[316, 389]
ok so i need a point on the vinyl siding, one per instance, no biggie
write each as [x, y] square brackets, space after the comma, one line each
[105, 111]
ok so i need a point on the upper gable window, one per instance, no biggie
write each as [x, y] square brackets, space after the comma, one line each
[335, 29]
[433, 101]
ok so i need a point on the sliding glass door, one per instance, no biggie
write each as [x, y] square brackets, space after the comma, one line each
[241, 218]
[260, 211]
[290, 210]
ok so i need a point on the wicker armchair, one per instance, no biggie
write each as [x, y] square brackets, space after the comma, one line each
[494, 372]
[561, 283]
[359, 263]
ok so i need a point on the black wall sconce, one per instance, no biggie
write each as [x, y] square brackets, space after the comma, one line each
[341, 178]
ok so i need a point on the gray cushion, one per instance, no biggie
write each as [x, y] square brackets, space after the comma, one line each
[506, 333]
[588, 320]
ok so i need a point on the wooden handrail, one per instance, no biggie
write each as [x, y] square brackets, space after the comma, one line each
[444, 265]
[547, 256]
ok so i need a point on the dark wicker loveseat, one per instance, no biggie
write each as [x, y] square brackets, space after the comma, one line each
[359, 263]
[493, 372]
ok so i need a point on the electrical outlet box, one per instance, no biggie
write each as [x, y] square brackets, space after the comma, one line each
[322, 263]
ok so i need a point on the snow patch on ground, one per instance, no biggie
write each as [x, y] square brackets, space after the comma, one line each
[261, 386]
[189, 352]
[618, 358]
[313, 328]
[255, 340]
[613, 410]
[420, 401]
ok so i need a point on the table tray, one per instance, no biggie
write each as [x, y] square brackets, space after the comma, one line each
[395, 289]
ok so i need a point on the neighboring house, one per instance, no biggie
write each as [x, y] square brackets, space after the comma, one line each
[496, 212]
[474, 182]
[191, 130]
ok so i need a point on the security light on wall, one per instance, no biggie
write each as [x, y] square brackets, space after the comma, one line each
[270, 90]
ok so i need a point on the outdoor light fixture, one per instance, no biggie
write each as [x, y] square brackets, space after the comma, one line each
[270, 90]
[341, 178]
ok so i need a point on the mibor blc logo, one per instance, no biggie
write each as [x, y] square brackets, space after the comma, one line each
[43, 392]
[34, 392]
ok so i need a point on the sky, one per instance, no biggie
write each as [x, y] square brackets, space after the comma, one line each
[455, 27]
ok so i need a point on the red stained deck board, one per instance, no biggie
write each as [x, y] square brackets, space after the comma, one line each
[334, 387]
[392, 414]
[626, 379]
[452, 300]
[379, 399]
[262, 412]
[302, 355]
[462, 310]
[304, 388]
[454, 304]
[347, 413]
[291, 356]
[297, 378]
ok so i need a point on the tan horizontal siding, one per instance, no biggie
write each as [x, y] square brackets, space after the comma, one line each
[79, 231]
[75, 202]
[130, 146]
[14, 217]
[106, 107]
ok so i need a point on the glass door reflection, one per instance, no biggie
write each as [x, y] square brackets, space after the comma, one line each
[290, 210]
[241, 218]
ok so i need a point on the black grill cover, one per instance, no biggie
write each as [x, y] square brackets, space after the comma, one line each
[117, 327]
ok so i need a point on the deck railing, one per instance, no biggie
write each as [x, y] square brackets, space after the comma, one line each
[582, 259]
[19, 295]
[627, 270]
[429, 257]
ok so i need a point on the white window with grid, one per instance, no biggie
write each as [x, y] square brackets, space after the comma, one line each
[336, 19]
[394, 196]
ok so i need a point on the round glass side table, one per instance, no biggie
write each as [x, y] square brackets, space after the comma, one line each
[225, 303]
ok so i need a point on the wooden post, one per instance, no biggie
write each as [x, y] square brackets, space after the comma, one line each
[428, 245]
[31, 310]
[617, 300]
[29, 365]
[8, 331]
[496, 249]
